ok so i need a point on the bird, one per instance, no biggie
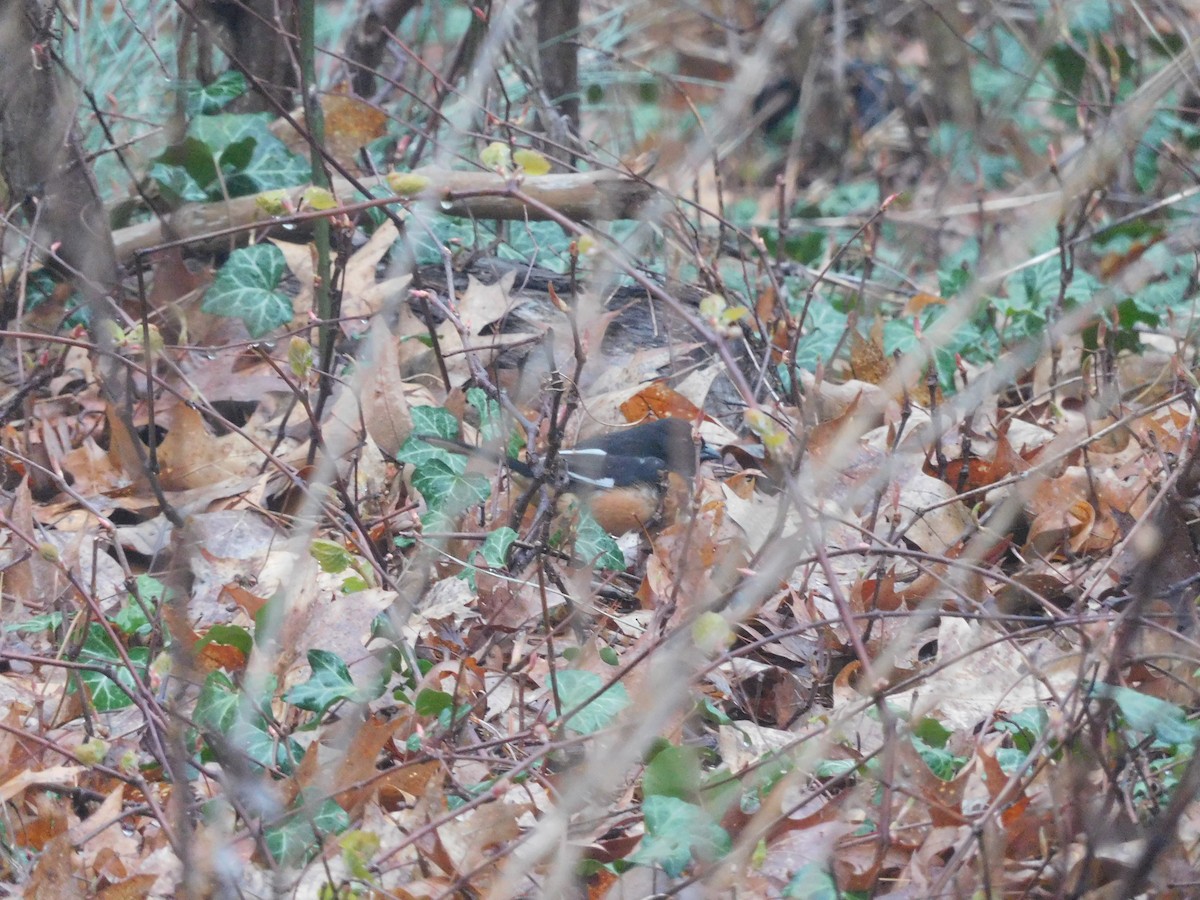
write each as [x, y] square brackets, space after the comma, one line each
[621, 477]
[624, 476]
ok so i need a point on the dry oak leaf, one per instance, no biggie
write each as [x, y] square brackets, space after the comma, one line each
[658, 401]
[301, 262]
[387, 400]
[190, 456]
[363, 294]
[975, 676]
[926, 512]
[350, 124]
[479, 307]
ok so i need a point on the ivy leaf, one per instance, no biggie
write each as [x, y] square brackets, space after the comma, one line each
[194, 157]
[434, 420]
[271, 165]
[330, 556]
[299, 836]
[227, 636]
[417, 453]
[105, 693]
[203, 99]
[677, 832]
[575, 687]
[217, 706]
[489, 413]
[597, 546]
[245, 289]
[446, 489]
[432, 702]
[330, 682]
[674, 772]
[494, 551]
[812, 882]
[1150, 715]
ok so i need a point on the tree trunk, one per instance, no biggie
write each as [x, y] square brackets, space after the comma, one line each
[41, 156]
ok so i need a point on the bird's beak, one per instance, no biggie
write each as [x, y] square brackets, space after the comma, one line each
[708, 454]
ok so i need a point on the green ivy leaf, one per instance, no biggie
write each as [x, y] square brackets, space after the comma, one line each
[597, 546]
[417, 452]
[1025, 726]
[575, 687]
[932, 732]
[229, 636]
[490, 424]
[105, 693]
[217, 707]
[446, 489]
[944, 764]
[433, 703]
[677, 832]
[434, 420]
[330, 682]
[330, 556]
[1150, 715]
[674, 772]
[245, 289]
[204, 99]
[494, 551]
[194, 157]
[270, 166]
[812, 882]
[300, 835]
[44, 622]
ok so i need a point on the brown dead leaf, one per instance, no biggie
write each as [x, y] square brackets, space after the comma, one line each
[385, 407]
[693, 560]
[469, 841]
[624, 377]
[941, 800]
[356, 778]
[122, 452]
[926, 512]
[758, 514]
[659, 401]
[977, 677]
[57, 873]
[919, 301]
[301, 262]
[135, 888]
[30, 576]
[868, 362]
[190, 456]
[834, 400]
[766, 305]
[1065, 519]
[102, 829]
[174, 281]
[480, 306]
[350, 124]
[401, 784]
[362, 292]
[55, 775]
[1060, 370]
[1005, 463]
[1113, 264]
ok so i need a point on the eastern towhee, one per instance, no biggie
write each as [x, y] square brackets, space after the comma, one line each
[623, 476]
